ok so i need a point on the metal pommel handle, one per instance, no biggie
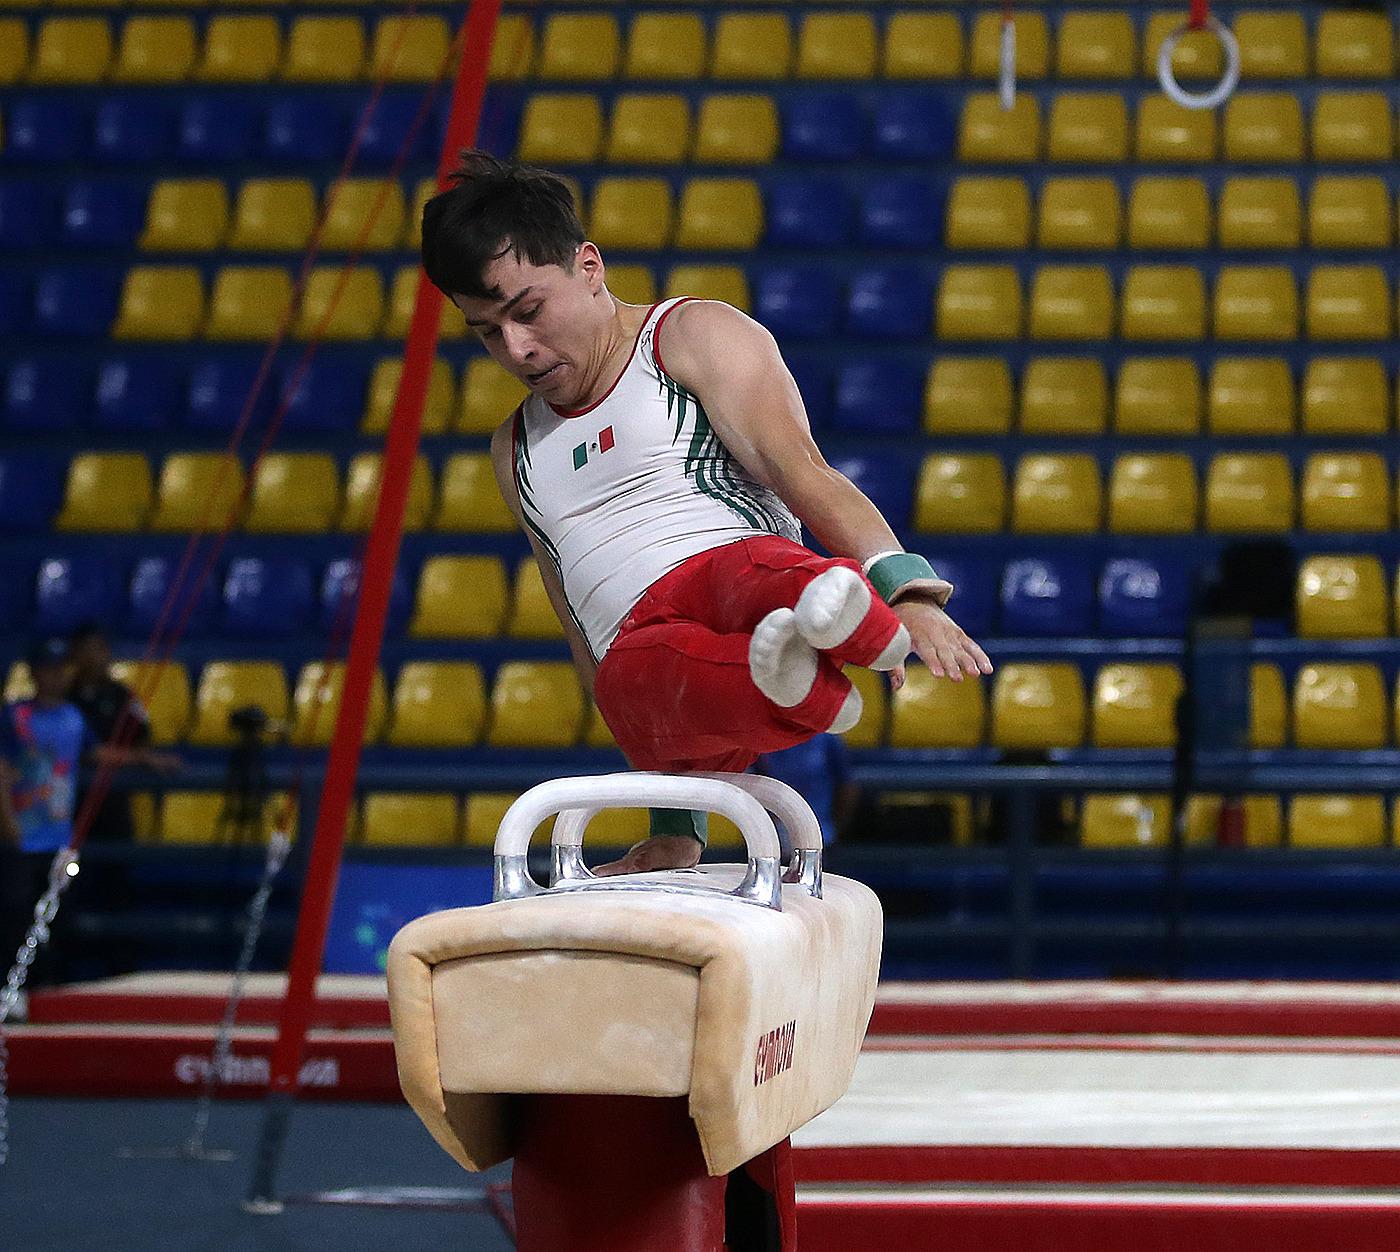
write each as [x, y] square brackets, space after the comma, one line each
[577, 799]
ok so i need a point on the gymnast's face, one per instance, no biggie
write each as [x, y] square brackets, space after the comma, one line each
[546, 324]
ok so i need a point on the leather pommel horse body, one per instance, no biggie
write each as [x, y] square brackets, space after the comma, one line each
[642, 1045]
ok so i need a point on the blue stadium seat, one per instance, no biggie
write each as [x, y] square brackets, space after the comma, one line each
[16, 594]
[75, 302]
[15, 292]
[902, 212]
[50, 130]
[889, 302]
[1042, 597]
[133, 129]
[887, 479]
[218, 389]
[812, 374]
[974, 591]
[28, 213]
[330, 395]
[150, 585]
[1143, 598]
[71, 590]
[809, 213]
[499, 132]
[137, 393]
[797, 301]
[219, 129]
[103, 213]
[43, 394]
[300, 128]
[389, 124]
[880, 395]
[823, 126]
[913, 126]
[266, 598]
[341, 583]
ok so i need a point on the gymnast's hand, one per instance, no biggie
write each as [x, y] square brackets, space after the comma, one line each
[943, 645]
[658, 852]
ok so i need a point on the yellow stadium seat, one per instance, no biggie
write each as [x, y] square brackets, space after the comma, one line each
[634, 284]
[14, 50]
[1272, 45]
[1346, 491]
[632, 213]
[438, 704]
[1336, 820]
[460, 597]
[1250, 396]
[709, 282]
[1348, 302]
[1264, 126]
[106, 491]
[1347, 212]
[1263, 820]
[186, 215]
[1158, 396]
[1032, 45]
[1135, 705]
[1256, 303]
[155, 50]
[248, 303]
[923, 45]
[1342, 597]
[561, 129]
[294, 493]
[1268, 706]
[1163, 302]
[160, 302]
[1169, 213]
[1260, 213]
[340, 306]
[536, 704]
[164, 692]
[410, 49]
[929, 712]
[1170, 134]
[324, 50]
[1153, 494]
[193, 817]
[240, 48]
[1249, 492]
[736, 130]
[1197, 53]
[1063, 396]
[1056, 494]
[489, 396]
[365, 213]
[1096, 44]
[665, 46]
[228, 685]
[968, 396]
[513, 49]
[751, 46]
[989, 213]
[1345, 396]
[416, 819]
[979, 302]
[19, 683]
[273, 215]
[1339, 705]
[961, 494]
[1355, 45]
[197, 491]
[837, 46]
[871, 730]
[1079, 213]
[649, 130]
[403, 297]
[470, 499]
[720, 214]
[597, 734]
[1352, 126]
[316, 704]
[1072, 302]
[362, 494]
[989, 134]
[579, 48]
[384, 388]
[424, 190]
[71, 50]
[1089, 128]
[1116, 820]
[532, 616]
[484, 811]
[1038, 705]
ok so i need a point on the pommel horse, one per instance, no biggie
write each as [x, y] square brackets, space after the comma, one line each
[642, 1045]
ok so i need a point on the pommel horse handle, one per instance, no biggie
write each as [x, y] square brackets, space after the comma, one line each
[577, 800]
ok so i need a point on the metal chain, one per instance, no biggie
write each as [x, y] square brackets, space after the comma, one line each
[61, 873]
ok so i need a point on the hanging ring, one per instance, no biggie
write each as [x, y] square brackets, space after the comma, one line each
[1229, 80]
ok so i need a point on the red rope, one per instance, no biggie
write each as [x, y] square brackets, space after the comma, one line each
[1200, 13]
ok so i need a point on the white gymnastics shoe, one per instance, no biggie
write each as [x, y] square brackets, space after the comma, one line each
[831, 608]
[848, 715]
[783, 664]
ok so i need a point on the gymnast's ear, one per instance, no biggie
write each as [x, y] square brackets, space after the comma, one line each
[589, 261]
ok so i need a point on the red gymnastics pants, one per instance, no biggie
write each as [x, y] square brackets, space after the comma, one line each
[675, 688]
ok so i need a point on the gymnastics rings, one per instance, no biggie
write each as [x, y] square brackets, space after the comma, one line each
[1229, 80]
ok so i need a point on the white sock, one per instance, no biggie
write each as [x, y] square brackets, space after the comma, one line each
[831, 607]
[895, 651]
[783, 664]
[848, 715]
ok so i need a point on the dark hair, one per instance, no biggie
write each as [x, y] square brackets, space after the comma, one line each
[494, 207]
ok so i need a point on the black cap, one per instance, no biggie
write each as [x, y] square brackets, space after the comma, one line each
[52, 651]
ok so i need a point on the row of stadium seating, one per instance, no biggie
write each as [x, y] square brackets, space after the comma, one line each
[734, 46]
[1031, 706]
[473, 596]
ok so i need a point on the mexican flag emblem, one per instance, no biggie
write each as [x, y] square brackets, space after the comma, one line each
[602, 444]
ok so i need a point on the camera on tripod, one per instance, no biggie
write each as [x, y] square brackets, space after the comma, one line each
[246, 787]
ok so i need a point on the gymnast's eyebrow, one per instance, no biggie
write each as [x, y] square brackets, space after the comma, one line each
[507, 306]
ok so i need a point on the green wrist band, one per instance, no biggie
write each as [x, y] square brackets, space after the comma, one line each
[681, 822]
[899, 572]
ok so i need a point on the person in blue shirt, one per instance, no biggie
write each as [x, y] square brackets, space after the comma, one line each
[819, 771]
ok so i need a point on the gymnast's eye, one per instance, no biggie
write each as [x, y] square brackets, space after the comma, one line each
[529, 315]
